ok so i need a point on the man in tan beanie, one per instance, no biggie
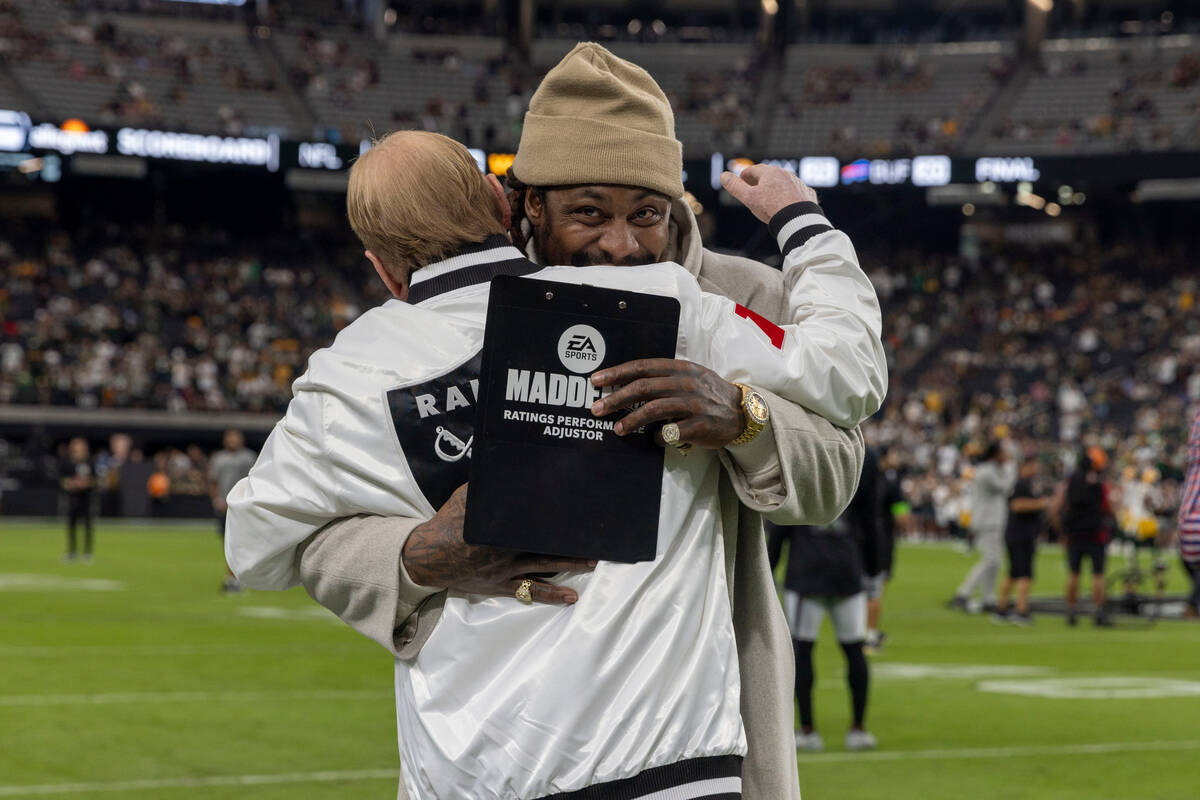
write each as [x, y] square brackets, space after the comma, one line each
[597, 180]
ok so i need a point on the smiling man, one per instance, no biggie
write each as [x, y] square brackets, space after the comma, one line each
[575, 225]
[597, 179]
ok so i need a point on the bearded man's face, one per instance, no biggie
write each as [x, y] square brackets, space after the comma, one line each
[599, 224]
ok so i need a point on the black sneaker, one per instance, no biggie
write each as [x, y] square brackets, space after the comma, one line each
[957, 603]
[1103, 620]
[1000, 617]
[1023, 620]
[1072, 618]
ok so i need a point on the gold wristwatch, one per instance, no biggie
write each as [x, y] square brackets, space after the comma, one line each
[754, 408]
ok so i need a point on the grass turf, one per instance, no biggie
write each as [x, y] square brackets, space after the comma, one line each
[134, 677]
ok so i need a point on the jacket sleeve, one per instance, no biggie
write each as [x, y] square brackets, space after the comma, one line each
[834, 317]
[289, 493]
[299, 484]
[828, 356]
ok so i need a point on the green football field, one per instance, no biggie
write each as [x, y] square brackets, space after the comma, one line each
[132, 677]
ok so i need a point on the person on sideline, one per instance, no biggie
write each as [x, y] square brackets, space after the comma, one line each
[825, 576]
[1189, 518]
[1081, 510]
[78, 480]
[1025, 520]
[893, 513]
[228, 466]
[995, 477]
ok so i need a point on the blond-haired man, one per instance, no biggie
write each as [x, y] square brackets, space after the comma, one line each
[496, 704]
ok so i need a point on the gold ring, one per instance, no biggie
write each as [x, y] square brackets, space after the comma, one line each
[670, 434]
[523, 593]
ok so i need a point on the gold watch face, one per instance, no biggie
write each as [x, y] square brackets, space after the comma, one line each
[756, 408]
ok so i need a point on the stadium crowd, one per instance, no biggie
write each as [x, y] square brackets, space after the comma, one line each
[901, 72]
[150, 74]
[1055, 347]
[1132, 117]
[112, 321]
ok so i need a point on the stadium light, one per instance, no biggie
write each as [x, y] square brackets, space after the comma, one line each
[770, 7]
[1053, 209]
[14, 130]
[1031, 200]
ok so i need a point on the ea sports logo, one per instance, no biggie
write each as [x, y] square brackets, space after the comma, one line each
[581, 348]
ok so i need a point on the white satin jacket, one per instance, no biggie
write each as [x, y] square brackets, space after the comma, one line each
[518, 702]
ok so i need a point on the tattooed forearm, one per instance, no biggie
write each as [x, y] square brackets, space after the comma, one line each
[436, 555]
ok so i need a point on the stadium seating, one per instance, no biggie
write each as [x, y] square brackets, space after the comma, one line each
[1105, 95]
[858, 100]
[358, 87]
[300, 79]
[208, 77]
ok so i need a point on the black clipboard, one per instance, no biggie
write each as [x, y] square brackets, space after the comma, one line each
[546, 476]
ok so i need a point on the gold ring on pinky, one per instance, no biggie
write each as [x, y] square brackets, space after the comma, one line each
[670, 434]
[523, 593]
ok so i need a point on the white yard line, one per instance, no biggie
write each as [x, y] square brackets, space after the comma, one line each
[1166, 632]
[156, 698]
[85, 651]
[194, 783]
[1098, 748]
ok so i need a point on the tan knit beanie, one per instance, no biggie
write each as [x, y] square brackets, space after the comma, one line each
[597, 118]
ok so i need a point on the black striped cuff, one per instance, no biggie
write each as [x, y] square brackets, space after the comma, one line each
[710, 778]
[796, 224]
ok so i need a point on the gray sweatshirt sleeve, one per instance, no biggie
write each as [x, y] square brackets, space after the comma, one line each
[801, 470]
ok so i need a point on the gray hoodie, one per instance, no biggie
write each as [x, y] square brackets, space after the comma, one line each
[989, 494]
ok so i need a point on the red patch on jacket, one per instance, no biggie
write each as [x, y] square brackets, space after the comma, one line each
[773, 331]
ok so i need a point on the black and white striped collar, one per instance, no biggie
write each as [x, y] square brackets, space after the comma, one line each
[476, 263]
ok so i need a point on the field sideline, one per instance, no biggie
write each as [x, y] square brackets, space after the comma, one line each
[132, 677]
